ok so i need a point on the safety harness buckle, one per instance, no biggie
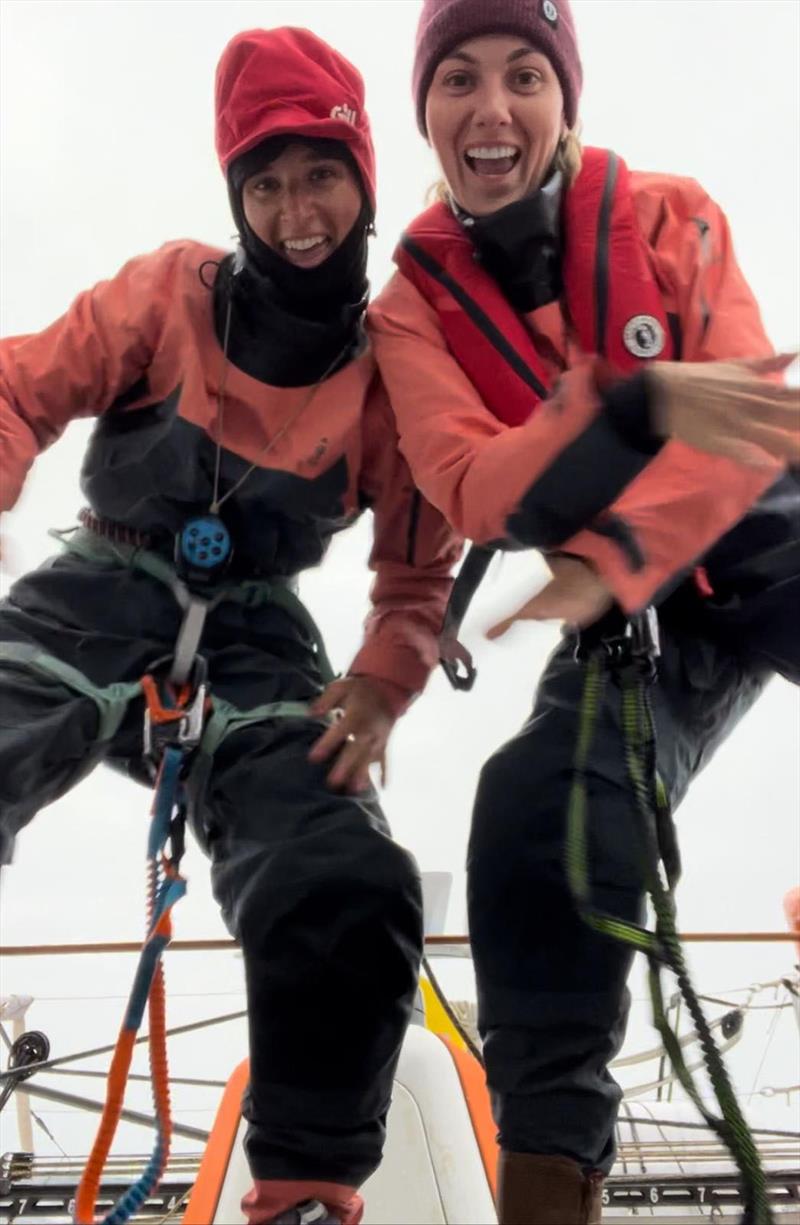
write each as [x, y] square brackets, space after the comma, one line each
[177, 719]
[190, 725]
[630, 645]
[645, 643]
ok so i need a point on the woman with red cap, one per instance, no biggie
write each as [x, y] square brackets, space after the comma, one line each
[560, 338]
[236, 398]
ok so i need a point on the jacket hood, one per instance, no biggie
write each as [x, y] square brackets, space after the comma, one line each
[287, 80]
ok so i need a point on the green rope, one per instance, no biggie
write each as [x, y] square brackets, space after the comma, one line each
[662, 946]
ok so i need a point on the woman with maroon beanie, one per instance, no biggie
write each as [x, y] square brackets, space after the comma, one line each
[240, 386]
[577, 365]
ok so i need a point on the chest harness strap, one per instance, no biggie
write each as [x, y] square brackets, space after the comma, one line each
[631, 660]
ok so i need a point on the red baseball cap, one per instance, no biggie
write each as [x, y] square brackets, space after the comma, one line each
[277, 82]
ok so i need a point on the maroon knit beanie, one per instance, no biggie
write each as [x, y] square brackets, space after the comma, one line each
[547, 24]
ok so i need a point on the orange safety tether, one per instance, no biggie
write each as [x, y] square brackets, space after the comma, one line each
[165, 886]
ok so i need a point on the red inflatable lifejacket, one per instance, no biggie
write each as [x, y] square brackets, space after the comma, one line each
[612, 297]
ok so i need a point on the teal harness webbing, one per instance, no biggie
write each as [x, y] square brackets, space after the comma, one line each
[251, 593]
[112, 700]
[662, 947]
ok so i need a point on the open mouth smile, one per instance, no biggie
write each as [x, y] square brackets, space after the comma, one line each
[492, 160]
[306, 252]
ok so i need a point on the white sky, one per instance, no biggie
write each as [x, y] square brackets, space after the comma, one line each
[107, 150]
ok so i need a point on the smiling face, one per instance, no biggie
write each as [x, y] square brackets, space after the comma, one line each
[302, 205]
[494, 115]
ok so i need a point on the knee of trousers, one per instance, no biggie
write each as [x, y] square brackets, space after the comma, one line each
[537, 960]
[331, 947]
[343, 883]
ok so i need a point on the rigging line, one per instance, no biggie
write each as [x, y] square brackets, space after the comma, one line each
[170, 1216]
[633, 1091]
[130, 1116]
[620, 1151]
[173, 1080]
[767, 1045]
[451, 1016]
[41, 1123]
[693, 1126]
[438, 946]
[779, 1091]
[5, 1037]
[670, 1146]
[183, 995]
[687, 1039]
[712, 999]
[756, 988]
[104, 1050]
[618, 1129]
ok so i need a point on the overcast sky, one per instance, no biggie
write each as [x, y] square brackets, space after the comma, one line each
[107, 151]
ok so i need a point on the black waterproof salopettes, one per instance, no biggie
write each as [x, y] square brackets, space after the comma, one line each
[552, 997]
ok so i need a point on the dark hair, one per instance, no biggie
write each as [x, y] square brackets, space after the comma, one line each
[268, 150]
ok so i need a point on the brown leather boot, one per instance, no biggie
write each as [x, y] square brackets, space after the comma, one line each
[537, 1190]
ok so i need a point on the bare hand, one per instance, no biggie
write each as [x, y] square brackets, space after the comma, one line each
[729, 408]
[359, 737]
[576, 594]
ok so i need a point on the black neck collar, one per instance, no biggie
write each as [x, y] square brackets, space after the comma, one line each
[520, 245]
[273, 343]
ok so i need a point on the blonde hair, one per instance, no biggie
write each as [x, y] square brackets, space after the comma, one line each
[569, 155]
[568, 159]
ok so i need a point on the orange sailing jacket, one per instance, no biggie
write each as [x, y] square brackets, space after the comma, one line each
[485, 475]
[140, 353]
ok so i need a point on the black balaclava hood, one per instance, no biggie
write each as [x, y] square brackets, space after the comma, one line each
[337, 285]
[283, 325]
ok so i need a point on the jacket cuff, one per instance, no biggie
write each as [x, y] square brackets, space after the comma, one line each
[632, 587]
[591, 472]
[629, 405]
[399, 670]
